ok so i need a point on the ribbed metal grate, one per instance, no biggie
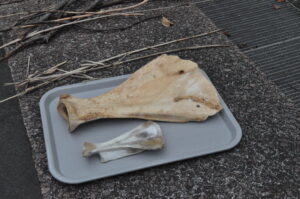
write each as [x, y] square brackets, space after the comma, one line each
[270, 37]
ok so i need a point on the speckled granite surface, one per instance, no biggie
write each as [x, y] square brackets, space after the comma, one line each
[266, 164]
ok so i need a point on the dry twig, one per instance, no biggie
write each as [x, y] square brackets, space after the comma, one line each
[152, 55]
[149, 47]
[102, 12]
[103, 62]
[28, 70]
[49, 71]
[11, 2]
[293, 5]
[27, 90]
[45, 38]
[56, 10]
[118, 28]
[81, 71]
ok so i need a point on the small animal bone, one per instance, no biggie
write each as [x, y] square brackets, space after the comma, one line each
[147, 136]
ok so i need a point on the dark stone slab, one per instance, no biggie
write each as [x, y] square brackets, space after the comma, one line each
[270, 37]
[264, 164]
[17, 173]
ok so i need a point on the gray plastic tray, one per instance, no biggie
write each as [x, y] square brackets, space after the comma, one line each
[182, 140]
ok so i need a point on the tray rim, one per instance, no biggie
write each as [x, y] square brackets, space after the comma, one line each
[69, 180]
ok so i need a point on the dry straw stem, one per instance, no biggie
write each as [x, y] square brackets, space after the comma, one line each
[27, 90]
[150, 47]
[48, 76]
[89, 64]
[49, 71]
[10, 2]
[83, 70]
[57, 9]
[35, 33]
[101, 12]
[45, 11]
[152, 55]
[95, 13]
[28, 70]
[293, 5]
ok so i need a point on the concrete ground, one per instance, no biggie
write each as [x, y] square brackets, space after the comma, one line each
[268, 35]
[266, 160]
[17, 173]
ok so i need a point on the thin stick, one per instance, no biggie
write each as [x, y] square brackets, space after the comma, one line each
[94, 13]
[61, 26]
[78, 12]
[102, 12]
[11, 15]
[28, 67]
[154, 46]
[46, 16]
[156, 54]
[67, 73]
[46, 72]
[62, 11]
[44, 38]
[11, 2]
[27, 72]
[122, 55]
[82, 76]
[86, 69]
[102, 62]
[294, 6]
[118, 28]
[53, 68]
[29, 90]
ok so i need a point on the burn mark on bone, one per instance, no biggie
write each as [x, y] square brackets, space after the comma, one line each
[180, 72]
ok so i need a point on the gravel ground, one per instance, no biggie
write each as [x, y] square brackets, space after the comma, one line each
[265, 163]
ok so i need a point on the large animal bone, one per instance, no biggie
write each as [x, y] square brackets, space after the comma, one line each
[147, 136]
[166, 89]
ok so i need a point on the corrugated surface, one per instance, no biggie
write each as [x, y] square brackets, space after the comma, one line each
[270, 37]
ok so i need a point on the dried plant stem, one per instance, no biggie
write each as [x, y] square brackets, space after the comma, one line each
[95, 13]
[45, 38]
[45, 11]
[153, 55]
[12, 15]
[88, 68]
[82, 76]
[28, 70]
[119, 56]
[49, 71]
[106, 4]
[11, 2]
[293, 5]
[27, 90]
[85, 69]
[35, 33]
[101, 12]
[151, 47]
[118, 28]
[61, 5]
